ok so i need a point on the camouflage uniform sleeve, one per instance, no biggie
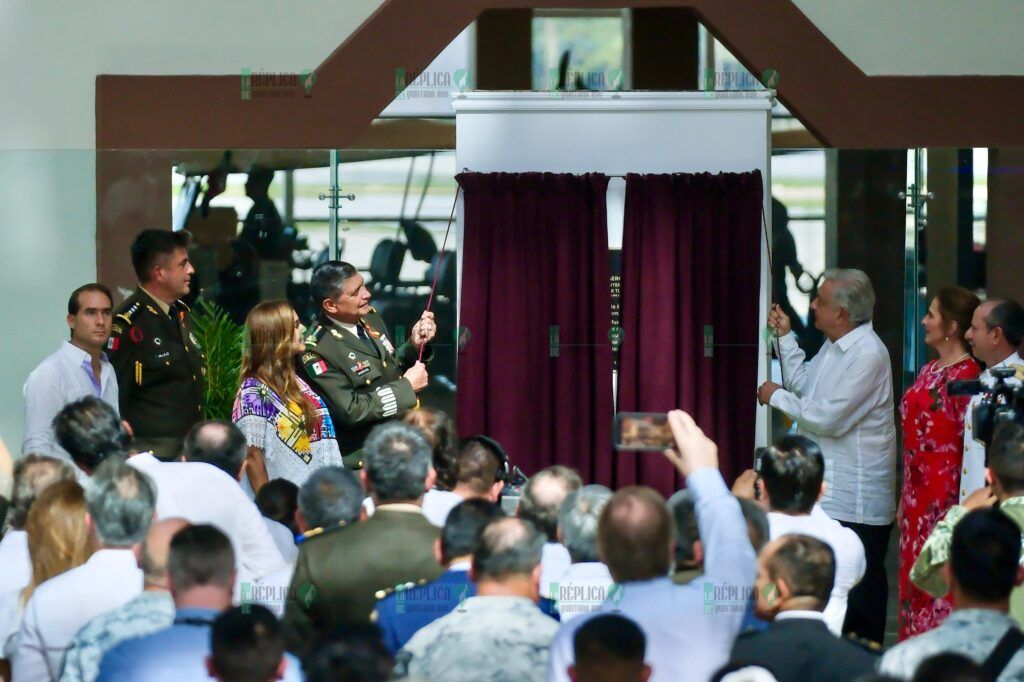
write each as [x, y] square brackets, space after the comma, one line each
[351, 406]
[926, 572]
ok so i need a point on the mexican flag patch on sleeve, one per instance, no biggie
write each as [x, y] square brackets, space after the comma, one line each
[318, 367]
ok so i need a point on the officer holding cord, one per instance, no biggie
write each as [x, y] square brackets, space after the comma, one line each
[352, 363]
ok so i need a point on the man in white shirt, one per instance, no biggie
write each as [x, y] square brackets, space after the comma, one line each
[479, 476]
[542, 499]
[78, 368]
[90, 431]
[690, 628]
[843, 399]
[120, 502]
[587, 582]
[791, 482]
[995, 335]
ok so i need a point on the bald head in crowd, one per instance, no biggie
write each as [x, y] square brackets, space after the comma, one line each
[507, 558]
[218, 443]
[635, 535]
[544, 494]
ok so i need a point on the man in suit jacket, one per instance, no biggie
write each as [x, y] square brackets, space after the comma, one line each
[794, 581]
[338, 574]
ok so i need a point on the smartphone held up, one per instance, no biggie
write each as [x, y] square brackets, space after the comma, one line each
[642, 431]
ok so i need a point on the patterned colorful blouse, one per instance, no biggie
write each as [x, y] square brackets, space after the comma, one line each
[290, 450]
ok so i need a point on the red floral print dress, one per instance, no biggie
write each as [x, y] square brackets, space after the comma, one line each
[933, 443]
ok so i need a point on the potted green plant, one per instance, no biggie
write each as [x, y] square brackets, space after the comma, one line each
[221, 340]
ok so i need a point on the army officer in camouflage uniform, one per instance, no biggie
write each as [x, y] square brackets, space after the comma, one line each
[351, 362]
[159, 365]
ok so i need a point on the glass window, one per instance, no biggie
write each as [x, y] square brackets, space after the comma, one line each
[596, 45]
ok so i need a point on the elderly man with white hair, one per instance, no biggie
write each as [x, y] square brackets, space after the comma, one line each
[843, 399]
[587, 582]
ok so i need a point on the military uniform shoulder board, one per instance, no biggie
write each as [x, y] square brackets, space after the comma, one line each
[1019, 376]
[401, 587]
[313, 335]
[319, 532]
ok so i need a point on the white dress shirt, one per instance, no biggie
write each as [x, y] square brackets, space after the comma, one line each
[202, 493]
[11, 612]
[582, 589]
[15, 565]
[63, 604]
[847, 547]
[842, 399]
[972, 476]
[690, 628]
[283, 539]
[437, 504]
[61, 378]
[554, 562]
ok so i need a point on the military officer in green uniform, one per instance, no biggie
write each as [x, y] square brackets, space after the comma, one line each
[353, 364]
[159, 364]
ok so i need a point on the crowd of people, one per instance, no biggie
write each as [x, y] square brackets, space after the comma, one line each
[335, 529]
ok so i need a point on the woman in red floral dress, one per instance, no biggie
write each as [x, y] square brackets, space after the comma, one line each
[933, 437]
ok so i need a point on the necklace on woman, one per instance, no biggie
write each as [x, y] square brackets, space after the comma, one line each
[938, 368]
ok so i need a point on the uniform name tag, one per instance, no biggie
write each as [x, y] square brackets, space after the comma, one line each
[165, 354]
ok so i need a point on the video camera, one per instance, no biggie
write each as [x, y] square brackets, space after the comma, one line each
[1002, 402]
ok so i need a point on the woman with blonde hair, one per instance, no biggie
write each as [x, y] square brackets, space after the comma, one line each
[58, 540]
[285, 422]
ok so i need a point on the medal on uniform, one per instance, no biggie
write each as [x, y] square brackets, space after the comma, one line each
[135, 334]
[192, 338]
[387, 344]
[351, 356]
[157, 341]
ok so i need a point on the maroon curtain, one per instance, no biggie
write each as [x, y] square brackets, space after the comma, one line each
[535, 302]
[691, 263]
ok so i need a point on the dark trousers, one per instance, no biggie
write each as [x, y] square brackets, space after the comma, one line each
[865, 612]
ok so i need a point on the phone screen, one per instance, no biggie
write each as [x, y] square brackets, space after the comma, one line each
[642, 431]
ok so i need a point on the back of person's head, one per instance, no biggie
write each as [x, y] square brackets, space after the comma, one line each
[1006, 456]
[757, 522]
[90, 430]
[326, 280]
[397, 462]
[477, 466]
[508, 547]
[218, 443]
[331, 496]
[609, 648]
[683, 507]
[799, 567]
[352, 652]
[792, 471]
[949, 667]
[544, 494]
[463, 526]
[58, 535]
[121, 502]
[635, 535]
[277, 500]
[577, 521]
[201, 556]
[246, 645]
[33, 474]
[439, 430]
[1008, 315]
[151, 247]
[984, 556]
